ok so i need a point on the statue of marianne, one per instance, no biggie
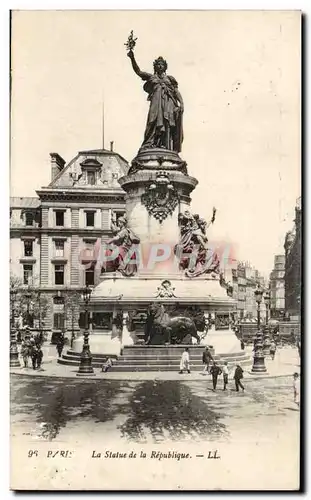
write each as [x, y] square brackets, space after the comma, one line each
[164, 123]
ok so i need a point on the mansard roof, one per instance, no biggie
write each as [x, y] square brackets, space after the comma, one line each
[112, 167]
[24, 202]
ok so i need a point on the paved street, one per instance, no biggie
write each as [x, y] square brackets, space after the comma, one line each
[149, 410]
[85, 416]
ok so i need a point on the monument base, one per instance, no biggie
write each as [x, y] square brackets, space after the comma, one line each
[100, 343]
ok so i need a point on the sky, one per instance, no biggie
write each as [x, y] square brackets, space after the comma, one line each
[238, 73]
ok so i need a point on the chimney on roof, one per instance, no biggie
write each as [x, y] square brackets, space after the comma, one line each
[57, 164]
[111, 145]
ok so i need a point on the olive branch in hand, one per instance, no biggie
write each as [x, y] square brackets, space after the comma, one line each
[131, 42]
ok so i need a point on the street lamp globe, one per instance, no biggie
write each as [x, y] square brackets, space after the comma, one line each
[266, 298]
[86, 294]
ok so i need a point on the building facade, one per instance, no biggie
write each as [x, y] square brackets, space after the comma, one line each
[57, 238]
[245, 279]
[292, 246]
[277, 288]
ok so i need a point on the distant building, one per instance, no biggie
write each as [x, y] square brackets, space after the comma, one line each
[277, 288]
[53, 236]
[245, 279]
[292, 246]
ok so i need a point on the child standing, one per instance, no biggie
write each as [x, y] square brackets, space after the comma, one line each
[185, 361]
[225, 372]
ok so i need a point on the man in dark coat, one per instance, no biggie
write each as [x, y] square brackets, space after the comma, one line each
[238, 375]
[34, 356]
[215, 371]
[207, 358]
[39, 357]
[60, 345]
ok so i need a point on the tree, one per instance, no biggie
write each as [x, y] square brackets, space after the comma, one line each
[30, 305]
[72, 310]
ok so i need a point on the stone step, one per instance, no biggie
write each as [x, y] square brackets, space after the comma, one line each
[76, 362]
[150, 368]
[169, 351]
[159, 356]
[155, 368]
[100, 357]
[156, 358]
[141, 365]
[175, 362]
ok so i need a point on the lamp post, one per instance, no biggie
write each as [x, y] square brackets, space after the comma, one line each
[14, 360]
[85, 367]
[266, 299]
[259, 358]
[266, 342]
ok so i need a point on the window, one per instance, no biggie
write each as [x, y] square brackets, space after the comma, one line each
[102, 321]
[29, 218]
[91, 179]
[90, 217]
[59, 217]
[28, 248]
[59, 248]
[59, 302]
[59, 275]
[58, 321]
[27, 274]
[89, 277]
[88, 253]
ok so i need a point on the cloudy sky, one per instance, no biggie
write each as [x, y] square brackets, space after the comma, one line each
[238, 73]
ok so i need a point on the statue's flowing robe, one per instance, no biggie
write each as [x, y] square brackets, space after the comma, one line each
[164, 123]
[124, 240]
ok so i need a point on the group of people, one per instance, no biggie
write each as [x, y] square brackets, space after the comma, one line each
[215, 370]
[31, 348]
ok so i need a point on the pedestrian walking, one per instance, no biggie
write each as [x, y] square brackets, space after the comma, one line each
[206, 359]
[25, 353]
[39, 357]
[185, 361]
[272, 349]
[242, 345]
[34, 353]
[296, 387]
[215, 371]
[238, 375]
[225, 373]
[60, 345]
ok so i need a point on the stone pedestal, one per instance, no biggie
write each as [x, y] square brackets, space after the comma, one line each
[223, 341]
[128, 294]
[158, 189]
[101, 342]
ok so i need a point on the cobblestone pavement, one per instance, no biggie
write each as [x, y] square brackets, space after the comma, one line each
[148, 410]
[251, 431]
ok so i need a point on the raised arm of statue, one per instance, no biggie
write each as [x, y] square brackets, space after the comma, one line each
[142, 74]
[212, 219]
